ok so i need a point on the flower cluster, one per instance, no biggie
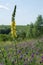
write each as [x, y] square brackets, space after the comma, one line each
[13, 29]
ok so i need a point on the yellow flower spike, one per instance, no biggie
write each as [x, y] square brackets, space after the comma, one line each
[13, 24]
[13, 29]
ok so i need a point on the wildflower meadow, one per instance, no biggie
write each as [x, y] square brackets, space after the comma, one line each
[21, 45]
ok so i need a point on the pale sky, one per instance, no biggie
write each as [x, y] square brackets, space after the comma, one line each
[27, 11]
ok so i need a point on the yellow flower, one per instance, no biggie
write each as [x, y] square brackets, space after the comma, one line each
[13, 23]
[13, 29]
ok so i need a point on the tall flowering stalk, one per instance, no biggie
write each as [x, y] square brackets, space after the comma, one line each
[13, 30]
[13, 24]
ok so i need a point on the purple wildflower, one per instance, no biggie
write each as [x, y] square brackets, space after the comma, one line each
[32, 55]
[42, 58]
[0, 64]
[21, 56]
[19, 51]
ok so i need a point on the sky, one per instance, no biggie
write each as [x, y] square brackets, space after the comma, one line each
[26, 12]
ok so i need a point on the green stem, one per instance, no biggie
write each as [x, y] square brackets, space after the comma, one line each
[16, 53]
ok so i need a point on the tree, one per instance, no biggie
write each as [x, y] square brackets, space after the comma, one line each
[39, 20]
[30, 32]
[38, 23]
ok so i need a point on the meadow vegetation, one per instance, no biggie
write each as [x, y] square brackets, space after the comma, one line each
[26, 48]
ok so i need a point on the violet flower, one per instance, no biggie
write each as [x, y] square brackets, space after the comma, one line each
[32, 55]
[0, 64]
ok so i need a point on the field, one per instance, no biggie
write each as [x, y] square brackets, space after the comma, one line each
[21, 44]
[28, 52]
[26, 48]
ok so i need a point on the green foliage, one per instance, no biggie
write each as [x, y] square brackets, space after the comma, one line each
[4, 29]
[39, 20]
[21, 35]
[30, 30]
[4, 37]
[38, 24]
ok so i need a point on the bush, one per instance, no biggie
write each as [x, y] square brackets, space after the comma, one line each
[4, 37]
[21, 34]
